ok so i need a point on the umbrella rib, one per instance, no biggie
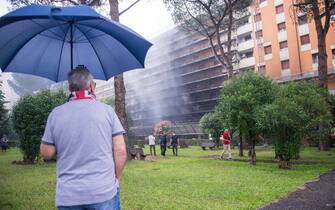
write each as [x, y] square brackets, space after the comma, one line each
[60, 57]
[47, 29]
[90, 29]
[96, 53]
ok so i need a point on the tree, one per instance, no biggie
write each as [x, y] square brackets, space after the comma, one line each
[29, 118]
[285, 120]
[318, 110]
[4, 120]
[298, 109]
[240, 100]
[210, 18]
[211, 123]
[320, 11]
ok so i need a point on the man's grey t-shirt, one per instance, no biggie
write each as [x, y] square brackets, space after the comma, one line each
[82, 132]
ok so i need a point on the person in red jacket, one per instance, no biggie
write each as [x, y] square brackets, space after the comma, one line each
[225, 137]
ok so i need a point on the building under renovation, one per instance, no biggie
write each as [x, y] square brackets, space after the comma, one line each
[182, 79]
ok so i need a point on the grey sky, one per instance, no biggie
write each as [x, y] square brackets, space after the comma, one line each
[148, 18]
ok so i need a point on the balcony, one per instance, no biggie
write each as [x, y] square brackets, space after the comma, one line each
[284, 55]
[245, 45]
[286, 73]
[278, 2]
[305, 47]
[282, 36]
[268, 57]
[244, 29]
[303, 29]
[263, 4]
[258, 26]
[245, 63]
[280, 18]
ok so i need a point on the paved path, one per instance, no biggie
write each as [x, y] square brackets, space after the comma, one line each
[317, 195]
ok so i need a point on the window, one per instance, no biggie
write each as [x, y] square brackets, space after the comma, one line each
[285, 64]
[259, 34]
[283, 45]
[279, 9]
[333, 52]
[267, 50]
[302, 20]
[258, 17]
[281, 27]
[315, 57]
[249, 54]
[262, 69]
[304, 39]
[248, 37]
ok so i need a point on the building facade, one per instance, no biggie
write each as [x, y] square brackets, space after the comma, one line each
[286, 45]
[182, 79]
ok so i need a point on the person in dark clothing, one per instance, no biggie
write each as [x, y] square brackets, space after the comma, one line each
[174, 143]
[163, 142]
[4, 143]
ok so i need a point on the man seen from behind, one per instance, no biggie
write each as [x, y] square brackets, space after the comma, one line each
[86, 136]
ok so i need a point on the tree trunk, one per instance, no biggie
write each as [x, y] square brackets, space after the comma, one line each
[253, 153]
[323, 72]
[282, 163]
[322, 55]
[229, 60]
[240, 146]
[119, 87]
[324, 142]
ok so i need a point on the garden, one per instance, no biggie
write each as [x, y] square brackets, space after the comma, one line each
[193, 180]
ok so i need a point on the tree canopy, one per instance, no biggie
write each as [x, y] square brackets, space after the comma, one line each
[210, 19]
[240, 100]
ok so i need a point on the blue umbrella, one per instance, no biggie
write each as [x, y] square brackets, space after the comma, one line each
[49, 41]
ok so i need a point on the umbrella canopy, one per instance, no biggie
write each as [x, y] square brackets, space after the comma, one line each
[49, 41]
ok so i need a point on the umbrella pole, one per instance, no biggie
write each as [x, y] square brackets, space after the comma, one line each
[71, 42]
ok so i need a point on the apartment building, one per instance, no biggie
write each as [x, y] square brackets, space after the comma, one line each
[286, 42]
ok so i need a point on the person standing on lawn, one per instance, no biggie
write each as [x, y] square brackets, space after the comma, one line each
[163, 142]
[4, 143]
[152, 143]
[174, 143]
[86, 136]
[225, 137]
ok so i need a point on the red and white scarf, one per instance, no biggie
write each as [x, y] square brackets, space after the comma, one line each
[81, 94]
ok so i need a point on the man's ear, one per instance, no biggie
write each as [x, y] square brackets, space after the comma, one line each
[92, 87]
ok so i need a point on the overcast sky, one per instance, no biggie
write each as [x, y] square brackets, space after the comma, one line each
[148, 18]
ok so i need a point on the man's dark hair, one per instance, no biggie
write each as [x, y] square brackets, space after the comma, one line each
[79, 78]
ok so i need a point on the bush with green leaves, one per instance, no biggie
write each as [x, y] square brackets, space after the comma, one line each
[29, 118]
[211, 123]
[297, 111]
[240, 100]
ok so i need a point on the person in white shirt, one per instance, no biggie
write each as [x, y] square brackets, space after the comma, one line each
[152, 144]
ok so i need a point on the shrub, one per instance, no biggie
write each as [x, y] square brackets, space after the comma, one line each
[29, 119]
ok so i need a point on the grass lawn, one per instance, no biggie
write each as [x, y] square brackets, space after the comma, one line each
[188, 181]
